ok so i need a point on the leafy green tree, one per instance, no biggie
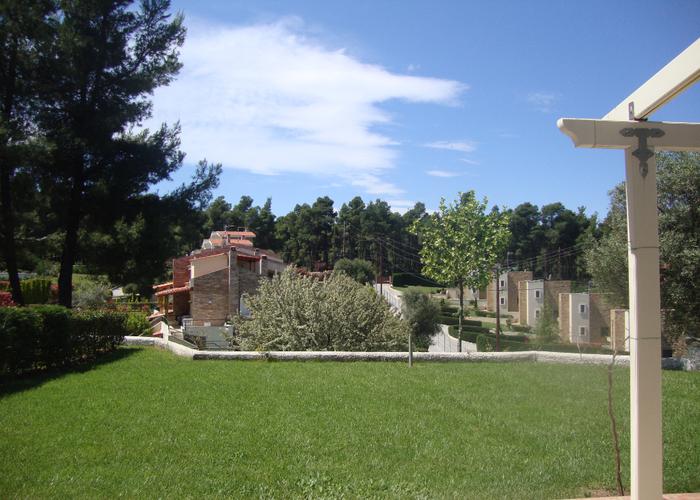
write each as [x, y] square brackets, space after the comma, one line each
[547, 329]
[421, 314]
[360, 270]
[106, 59]
[461, 243]
[292, 312]
[678, 183]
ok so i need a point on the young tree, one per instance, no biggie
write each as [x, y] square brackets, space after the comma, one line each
[421, 314]
[461, 243]
[360, 270]
[106, 59]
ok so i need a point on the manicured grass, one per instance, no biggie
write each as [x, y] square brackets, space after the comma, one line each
[148, 424]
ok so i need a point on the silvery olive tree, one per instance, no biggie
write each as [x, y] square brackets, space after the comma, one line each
[461, 243]
[292, 312]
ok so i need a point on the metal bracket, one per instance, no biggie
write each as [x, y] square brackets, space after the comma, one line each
[643, 153]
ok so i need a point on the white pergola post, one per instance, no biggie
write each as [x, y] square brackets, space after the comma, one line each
[645, 330]
[625, 127]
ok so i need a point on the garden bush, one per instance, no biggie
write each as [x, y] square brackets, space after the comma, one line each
[6, 299]
[137, 324]
[422, 316]
[36, 290]
[39, 337]
[298, 313]
[521, 328]
[482, 344]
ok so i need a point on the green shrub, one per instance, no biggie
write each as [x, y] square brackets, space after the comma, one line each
[482, 344]
[421, 314]
[489, 314]
[137, 324]
[521, 328]
[36, 290]
[39, 337]
[297, 313]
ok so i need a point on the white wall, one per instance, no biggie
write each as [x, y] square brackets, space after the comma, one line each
[577, 319]
[534, 302]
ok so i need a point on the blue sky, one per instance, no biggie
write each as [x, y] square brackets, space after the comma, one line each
[413, 101]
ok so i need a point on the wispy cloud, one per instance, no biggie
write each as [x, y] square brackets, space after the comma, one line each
[469, 161]
[443, 173]
[412, 67]
[401, 206]
[462, 146]
[269, 99]
[543, 101]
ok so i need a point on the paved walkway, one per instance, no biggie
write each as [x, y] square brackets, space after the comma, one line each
[443, 342]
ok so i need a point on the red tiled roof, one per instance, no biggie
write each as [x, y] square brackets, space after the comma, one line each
[172, 291]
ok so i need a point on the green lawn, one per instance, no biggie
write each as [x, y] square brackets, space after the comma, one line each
[148, 424]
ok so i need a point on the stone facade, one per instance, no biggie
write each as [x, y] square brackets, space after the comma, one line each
[618, 329]
[565, 317]
[600, 318]
[552, 289]
[209, 305]
[509, 290]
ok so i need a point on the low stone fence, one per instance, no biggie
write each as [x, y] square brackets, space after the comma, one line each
[464, 357]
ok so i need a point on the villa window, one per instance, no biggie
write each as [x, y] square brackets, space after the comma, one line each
[537, 294]
[582, 308]
[582, 331]
[503, 301]
[537, 314]
[503, 283]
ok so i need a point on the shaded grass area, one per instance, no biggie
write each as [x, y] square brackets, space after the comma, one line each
[153, 425]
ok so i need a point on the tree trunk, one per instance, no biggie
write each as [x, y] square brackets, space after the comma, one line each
[70, 244]
[8, 222]
[8, 241]
[461, 314]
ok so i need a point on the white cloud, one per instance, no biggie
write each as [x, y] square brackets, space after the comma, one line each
[470, 162]
[543, 101]
[412, 67]
[463, 146]
[269, 100]
[442, 173]
[401, 206]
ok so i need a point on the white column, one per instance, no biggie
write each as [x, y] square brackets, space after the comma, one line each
[645, 331]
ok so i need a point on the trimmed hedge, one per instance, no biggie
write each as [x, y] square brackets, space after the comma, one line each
[521, 328]
[41, 337]
[489, 314]
[406, 279]
[523, 343]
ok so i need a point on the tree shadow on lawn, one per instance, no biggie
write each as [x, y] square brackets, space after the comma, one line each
[37, 378]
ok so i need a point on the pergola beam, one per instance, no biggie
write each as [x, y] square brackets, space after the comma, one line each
[607, 134]
[671, 80]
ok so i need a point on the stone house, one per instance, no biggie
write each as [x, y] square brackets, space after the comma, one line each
[584, 318]
[535, 295]
[208, 284]
[508, 293]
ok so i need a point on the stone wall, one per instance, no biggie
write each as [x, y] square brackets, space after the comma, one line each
[522, 303]
[209, 303]
[564, 317]
[513, 296]
[552, 289]
[618, 329]
[600, 318]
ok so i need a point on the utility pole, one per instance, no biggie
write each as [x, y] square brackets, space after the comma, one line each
[498, 307]
[381, 268]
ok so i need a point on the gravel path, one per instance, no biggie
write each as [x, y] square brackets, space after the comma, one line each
[443, 342]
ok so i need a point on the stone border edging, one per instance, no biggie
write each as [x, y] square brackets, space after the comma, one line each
[503, 357]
